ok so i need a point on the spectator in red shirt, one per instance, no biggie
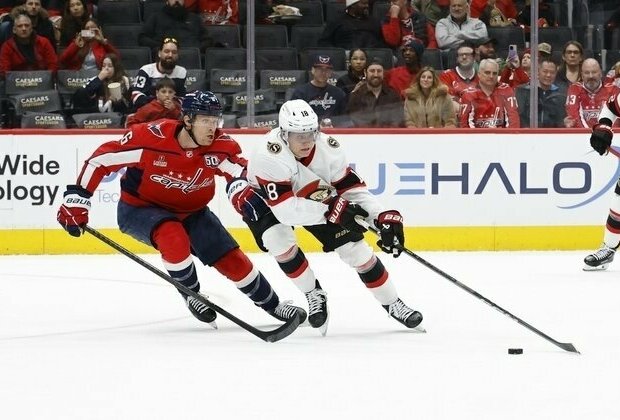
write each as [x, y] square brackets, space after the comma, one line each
[494, 12]
[215, 12]
[26, 50]
[163, 106]
[585, 99]
[87, 50]
[492, 104]
[404, 21]
[399, 78]
[463, 75]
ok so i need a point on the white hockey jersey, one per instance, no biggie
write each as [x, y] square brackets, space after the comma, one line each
[297, 189]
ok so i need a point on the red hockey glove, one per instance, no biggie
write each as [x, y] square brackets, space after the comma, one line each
[245, 199]
[390, 225]
[600, 140]
[342, 212]
[73, 213]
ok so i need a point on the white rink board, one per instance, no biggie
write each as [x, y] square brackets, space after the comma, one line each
[468, 179]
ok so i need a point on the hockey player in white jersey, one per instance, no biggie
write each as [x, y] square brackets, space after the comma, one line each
[600, 140]
[305, 180]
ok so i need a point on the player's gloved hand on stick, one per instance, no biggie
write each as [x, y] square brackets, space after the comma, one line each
[390, 225]
[73, 213]
[601, 136]
[245, 200]
[342, 212]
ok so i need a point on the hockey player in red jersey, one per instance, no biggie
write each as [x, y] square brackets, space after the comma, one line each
[585, 99]
[306, 181]
[600, 140]
[164, 199]
[490, 105]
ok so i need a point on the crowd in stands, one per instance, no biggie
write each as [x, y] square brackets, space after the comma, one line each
[358, 63]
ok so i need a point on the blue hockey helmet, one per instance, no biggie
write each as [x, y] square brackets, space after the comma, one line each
[201, 103]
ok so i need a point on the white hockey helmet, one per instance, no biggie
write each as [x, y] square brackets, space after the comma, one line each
[296, 116]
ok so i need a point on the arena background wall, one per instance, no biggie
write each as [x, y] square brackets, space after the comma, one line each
[457, 190]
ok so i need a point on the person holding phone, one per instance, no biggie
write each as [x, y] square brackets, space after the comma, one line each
[88, 49]
[514, 73]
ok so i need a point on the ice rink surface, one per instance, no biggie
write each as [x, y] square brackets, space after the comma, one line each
[100, 337]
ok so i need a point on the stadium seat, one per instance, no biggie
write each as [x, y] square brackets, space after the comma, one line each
[507, 35]
[226, 35]
[306, 36]
[151, 7]
[44, 120]
[135, 57]
[44, 101]
[380, 9]
[268, 36]
[264, 101]
[71, 80]
[118, 12]
[228, 80]
[224, 58]
[276, 58]
[432, 57]
[123, 35]
[557, 36]
[18, 82]
[269, 121]
[98, 120]
[333, 10]
[230, 120]
[190, 58]
[312, 12]
[195, 80]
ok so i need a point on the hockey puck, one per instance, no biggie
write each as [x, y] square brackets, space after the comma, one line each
[515, 351]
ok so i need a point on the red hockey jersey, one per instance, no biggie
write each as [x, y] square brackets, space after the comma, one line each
[161, 173]
[497, 110]
[456, 83]
[584, 106]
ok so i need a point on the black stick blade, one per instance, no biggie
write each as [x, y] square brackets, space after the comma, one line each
[282, 332]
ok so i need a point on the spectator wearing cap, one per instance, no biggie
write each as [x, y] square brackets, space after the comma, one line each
[175, 21]
[399, 78]
[403, 21]
[143, 89]
[551, 98]
[428, 103]
[353, 28]
[373, 103]
[26, 50]
[327, 101]
[458, 27]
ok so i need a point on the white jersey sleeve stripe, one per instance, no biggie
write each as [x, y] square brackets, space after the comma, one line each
[115, 160]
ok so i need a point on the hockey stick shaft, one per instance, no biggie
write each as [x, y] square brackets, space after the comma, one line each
[270, 336]
[564, 346]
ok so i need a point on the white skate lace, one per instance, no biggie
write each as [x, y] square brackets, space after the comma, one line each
[400, 310]
[315, 299]
[285, 309]
[196, 304]
[603, 253]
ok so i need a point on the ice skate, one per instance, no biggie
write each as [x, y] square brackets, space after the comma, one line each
[403, 314]
[318, 316]
[285, 311]
[600, 259]
[201, 311]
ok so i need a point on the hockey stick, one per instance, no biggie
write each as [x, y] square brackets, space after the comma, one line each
[270, 336]
[564, 346]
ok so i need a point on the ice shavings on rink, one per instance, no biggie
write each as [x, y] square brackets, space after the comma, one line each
[99, 337]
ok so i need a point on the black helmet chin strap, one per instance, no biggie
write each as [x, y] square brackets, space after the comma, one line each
[190, 131]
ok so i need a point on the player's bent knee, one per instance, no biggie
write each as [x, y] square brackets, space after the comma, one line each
[235, 265]
[278, 239]
[355, 254]
[172, 241]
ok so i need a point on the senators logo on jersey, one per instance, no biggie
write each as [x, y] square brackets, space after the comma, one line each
[274, 148]
[333, 142]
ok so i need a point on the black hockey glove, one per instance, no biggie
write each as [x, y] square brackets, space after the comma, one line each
[342, 212]
[600, 140]
[390, 225]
